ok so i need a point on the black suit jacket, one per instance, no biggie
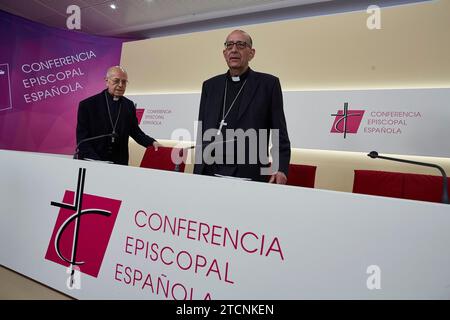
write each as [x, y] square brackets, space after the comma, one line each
[93, 120]
[261, 107]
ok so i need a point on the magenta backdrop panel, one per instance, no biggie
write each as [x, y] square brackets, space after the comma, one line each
[44, 74]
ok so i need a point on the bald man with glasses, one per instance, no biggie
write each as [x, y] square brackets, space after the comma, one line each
[245, 100]
[107, 120]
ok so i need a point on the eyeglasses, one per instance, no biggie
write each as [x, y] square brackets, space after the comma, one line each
[239, 44]
[116, 81]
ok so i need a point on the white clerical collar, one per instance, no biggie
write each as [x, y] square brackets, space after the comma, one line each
[113, 97]
[236, 78]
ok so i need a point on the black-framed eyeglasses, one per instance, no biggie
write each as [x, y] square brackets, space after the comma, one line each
[117, 81]
[239, 44]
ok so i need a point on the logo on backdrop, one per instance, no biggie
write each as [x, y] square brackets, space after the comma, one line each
[5, 87]
[347, 121]
[139, 114]
[82, 230]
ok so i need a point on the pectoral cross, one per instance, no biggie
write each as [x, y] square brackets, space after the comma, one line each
[222, 123]
[113, 138]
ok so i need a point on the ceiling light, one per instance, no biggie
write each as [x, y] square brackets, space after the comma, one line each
[113, 6]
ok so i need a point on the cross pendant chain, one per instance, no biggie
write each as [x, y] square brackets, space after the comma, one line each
[224, 115]
[222, 124]
[113, 125]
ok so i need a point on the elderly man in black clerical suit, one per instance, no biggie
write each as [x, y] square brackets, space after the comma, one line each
[113, 116]
[242, 100]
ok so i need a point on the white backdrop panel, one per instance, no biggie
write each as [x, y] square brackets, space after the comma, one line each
[401, 121]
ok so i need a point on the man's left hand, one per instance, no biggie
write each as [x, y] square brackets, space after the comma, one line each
[278, 178]
[156, 144]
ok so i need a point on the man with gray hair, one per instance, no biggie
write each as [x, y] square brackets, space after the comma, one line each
[107, 120]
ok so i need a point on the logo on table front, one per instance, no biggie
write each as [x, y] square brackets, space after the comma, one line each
[347, 121]
[82, 230]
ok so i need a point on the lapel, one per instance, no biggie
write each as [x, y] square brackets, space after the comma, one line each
[104, 110]
[215, 113]
[248, 92]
